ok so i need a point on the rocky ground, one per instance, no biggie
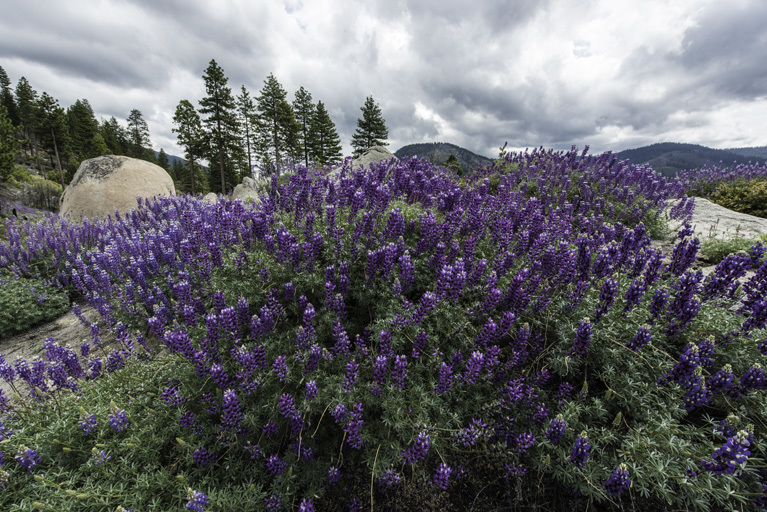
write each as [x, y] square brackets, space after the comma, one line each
[66, 330]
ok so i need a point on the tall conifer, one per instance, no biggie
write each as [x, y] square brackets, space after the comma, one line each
[371, 128]
[221, 122]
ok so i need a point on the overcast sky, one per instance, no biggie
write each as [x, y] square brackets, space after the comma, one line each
[614, 74]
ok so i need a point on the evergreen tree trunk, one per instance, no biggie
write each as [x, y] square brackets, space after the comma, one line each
[58, 160]
[191, 171]
[36, 154]
[247, 143]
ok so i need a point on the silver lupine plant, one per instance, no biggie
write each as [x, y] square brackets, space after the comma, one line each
[377, 334]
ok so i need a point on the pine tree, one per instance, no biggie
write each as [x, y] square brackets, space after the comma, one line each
[8, 144]
[304, 110]
[325, 143]
[278, 126]
[453, 163]
[54, 129]
[371, 128]
[191, 137]
[115, 136]
[221, 122]
[249, 123]
[27, 112]
[6, 97]
[138, 134]
[82, 125]
[163, 161]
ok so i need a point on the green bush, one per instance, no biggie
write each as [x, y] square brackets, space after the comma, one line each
[717, 249]
[25, 303]
[743, 196]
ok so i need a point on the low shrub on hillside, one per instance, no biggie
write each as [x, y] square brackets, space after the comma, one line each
[744, 196]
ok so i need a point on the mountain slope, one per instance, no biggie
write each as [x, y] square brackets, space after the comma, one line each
[759, 152]
[668, 158]
[439, 152]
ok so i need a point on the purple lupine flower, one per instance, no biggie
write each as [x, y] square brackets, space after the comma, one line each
[389, 479]
[171, 396]
[290, 413]
[581, 450]
[473, 368]
[270, 429]
[352, 427]
[203, 457]
[334, 475]
[606, 298]
[683, 369]
[275, 465]
[722, 381]
[418, 450]
[619, 481]
[311, 390]
[399, 373]
[99, 457]
[118, 420]
[384, 344]
[556, 430]
[445, 379]
[582, 338]
[220, 377]
[280, 368]
[87, 423]
[339, 413]
[753, 378]
[27, 458]
[352, 372]
[696, 393]
[730, 455]
[657, 305]
[633, 295]
[379, 370]
[442, 476]
[273, 503]
[306, 505]
[232, 411]
[342, 344]
[196, 501]
[641, 339]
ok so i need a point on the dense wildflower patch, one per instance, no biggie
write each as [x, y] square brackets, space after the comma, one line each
[395, 334]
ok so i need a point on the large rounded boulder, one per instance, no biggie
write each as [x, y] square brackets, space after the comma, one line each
[107, 183]
[373, 155]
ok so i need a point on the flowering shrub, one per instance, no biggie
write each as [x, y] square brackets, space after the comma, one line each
[390, 335]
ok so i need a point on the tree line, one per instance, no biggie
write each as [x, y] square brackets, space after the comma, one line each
[245, 135]
[37, 125]
[237, 136]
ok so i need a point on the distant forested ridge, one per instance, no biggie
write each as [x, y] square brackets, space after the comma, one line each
[668, 158]
[438, 153]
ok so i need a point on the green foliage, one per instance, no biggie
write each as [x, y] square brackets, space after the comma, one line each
[325, 144]
[8, 145]
[25, 303]
[371, 128]
[138, 136]
[717, 249]
[304, 111]
[191, 137]
[278, 128]
[221, 127]
[452, 163]
[743, 196]
[149, 465]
